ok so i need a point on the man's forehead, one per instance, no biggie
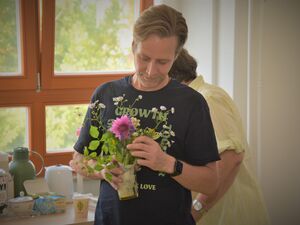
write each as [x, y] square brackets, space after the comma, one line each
[160, 48]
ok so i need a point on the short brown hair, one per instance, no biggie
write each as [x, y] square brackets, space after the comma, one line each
[163, 21]
[184, 67]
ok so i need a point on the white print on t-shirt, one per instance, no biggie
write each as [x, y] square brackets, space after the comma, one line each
[150, 187]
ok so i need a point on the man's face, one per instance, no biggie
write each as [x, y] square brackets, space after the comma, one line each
[153, 59]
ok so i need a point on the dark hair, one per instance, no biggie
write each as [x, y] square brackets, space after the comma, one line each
[184, 67]
[163, 21]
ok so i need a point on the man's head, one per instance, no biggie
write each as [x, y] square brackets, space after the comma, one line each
[163, 21]
[159, 35]
[184, 67]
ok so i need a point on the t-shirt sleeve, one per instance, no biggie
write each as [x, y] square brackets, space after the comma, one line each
[226, 121]
[201, 146]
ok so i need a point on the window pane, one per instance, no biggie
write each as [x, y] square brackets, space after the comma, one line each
[13, 128]
[94, 36]
[62, 124]
[10, 52]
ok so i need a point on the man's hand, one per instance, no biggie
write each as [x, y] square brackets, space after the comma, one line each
[113, 176]
[78, 165]
[150, 154]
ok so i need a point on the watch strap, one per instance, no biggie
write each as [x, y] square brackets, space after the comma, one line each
[178, 166]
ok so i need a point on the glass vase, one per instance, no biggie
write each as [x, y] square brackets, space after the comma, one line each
[129, 187]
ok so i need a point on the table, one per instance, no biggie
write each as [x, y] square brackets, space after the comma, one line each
[66, 218]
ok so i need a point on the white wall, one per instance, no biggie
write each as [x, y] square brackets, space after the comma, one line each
[279, 72]
[197, 38]
[198, 14]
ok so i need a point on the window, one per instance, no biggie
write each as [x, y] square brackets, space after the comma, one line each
[63, 123]
[59, 52]
[81, 46]
[10, 57]
[13, 128]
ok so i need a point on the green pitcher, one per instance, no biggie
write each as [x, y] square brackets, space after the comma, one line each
[21, 168]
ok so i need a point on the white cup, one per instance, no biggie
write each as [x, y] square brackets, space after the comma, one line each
[81, 206]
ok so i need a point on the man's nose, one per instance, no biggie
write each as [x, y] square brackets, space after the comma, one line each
[151, 68]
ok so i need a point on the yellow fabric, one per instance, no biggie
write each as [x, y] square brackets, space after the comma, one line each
[242, 204]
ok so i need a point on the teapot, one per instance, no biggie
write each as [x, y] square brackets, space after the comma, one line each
[21, 168]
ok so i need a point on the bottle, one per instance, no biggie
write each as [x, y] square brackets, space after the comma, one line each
[6, 189]
[21, 168]
[9, 183]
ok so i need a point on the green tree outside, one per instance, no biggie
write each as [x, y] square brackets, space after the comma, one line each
[8, 37]
[13, 131]
[89, 35]
[62, 123]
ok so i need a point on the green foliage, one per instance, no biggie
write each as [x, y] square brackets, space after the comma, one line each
[94, 131]
[88, 35]
[113, 147]
[120, 132]
[12, 128]
[61, 125]
[8, 37]
[94, 145]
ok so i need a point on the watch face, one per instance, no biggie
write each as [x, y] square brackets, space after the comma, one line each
[177, 168]
[197, 205]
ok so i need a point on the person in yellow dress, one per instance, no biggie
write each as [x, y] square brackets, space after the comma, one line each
[238, 199]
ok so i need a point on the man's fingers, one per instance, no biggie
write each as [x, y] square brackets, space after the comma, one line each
[117, 171]
[140, 154]
[137, 146]
[143, 162]
[143, 139]
[113, 176]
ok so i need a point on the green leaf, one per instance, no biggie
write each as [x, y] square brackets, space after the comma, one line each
[94, 145]
[85, 151]
[106, 136]
[90, 169]
[98, 167]
[108, 176]
[94, 131]
[93, 155]
[112, 149]
[111, 165]
[155, 135]
[119, 157]
[105, 148]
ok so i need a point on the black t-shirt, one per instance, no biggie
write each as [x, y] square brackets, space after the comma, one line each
[161, 201]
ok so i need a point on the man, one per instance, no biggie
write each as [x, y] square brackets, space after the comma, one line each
[187, 161]
[237, 200]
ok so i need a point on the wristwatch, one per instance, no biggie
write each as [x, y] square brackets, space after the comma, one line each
[197, 205]
[177, 168]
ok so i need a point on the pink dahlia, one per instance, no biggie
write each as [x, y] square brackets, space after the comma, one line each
[122, 127]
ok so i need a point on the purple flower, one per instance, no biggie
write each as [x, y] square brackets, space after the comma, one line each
[122, 127]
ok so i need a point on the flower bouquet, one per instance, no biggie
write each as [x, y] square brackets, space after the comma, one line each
[113, 141]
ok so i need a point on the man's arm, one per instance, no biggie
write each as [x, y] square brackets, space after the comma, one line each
[197, 178]
[228, 168]
[202, 179]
